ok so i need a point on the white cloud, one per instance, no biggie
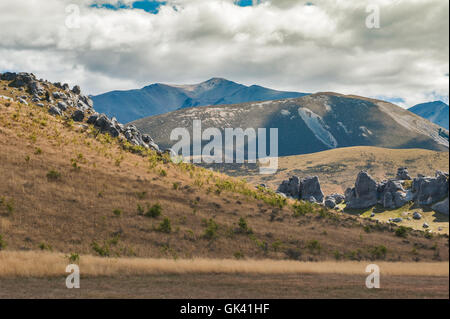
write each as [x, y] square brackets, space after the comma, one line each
[284, 44]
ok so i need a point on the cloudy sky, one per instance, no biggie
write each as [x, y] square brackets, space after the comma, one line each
[307, 46]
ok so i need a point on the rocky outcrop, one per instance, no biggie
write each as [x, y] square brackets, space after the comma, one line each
[402, 174]
[307, 189]
[70, 103]
[391, 194]
[364, 194]
[310, 189]
[429, 190]
[290, 187]
[441, 207]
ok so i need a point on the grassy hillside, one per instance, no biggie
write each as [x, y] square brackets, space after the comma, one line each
[66, 188]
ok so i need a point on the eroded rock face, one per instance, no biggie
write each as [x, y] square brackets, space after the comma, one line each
[402, 174]
[364, 194]
[310, 187]
[429, 190]
[290, 187]
[441, 207]
[307, 189]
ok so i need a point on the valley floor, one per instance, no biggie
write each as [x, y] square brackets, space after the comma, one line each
[230, 286]
[41, 275]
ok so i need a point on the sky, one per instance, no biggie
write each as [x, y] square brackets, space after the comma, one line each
[306, 46]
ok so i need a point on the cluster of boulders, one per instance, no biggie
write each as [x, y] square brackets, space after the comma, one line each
[64, 101]
[390, 194]
[307, 189]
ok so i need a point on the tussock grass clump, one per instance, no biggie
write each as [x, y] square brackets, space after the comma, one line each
[378, 252]
[73, 258]
[2, 243]
[44, 246]
[101, 250]
[314, 247]
[53, 175]
[302, 208]
[165, 226]
[7, 205]
[117, 212]
[211, 229]
[243, 226]
[402, 231]
[154, 211]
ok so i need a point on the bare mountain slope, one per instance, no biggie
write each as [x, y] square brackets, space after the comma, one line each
[311, 123]
[158, 98]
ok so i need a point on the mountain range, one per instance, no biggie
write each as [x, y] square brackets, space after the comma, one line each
[311, 123]
[159, 98]
[436, 112]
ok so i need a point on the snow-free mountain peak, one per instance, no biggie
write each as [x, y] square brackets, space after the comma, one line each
[159, 98]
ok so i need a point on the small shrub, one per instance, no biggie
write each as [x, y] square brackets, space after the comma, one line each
[74, 258]
[211, 229]
[140, 210]
[293, 253]
[102, 251]
[243, 226]
[238, 255]
[277, 245]
[402, 231]
[154, 211]
[314, 246]
[378, 252]
[163, 173]
[176, 186]
[38, 151]
[302, 209]
[141, 195]
[2, 243]
[117, 212]
[337, 255]
[44, 246]
[165, 226]
[53, 175]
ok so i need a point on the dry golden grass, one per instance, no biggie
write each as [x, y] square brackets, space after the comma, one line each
[44, 264]
[72, 212]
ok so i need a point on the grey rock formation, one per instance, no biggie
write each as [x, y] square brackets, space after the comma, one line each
[364, 194]
[76, 89]
[290, 187]
[307, 189]
[78, 116]
[330, 202]
[310, 187]
[441, 207]
[417, 216]
[402, 174]
[429, 190]
[54, 110]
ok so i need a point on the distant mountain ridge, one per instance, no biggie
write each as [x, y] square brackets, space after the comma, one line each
[311, 123]
[159, 98]
[436, 112]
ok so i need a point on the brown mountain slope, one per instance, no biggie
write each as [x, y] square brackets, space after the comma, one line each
[69, 189]
[312, 123]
